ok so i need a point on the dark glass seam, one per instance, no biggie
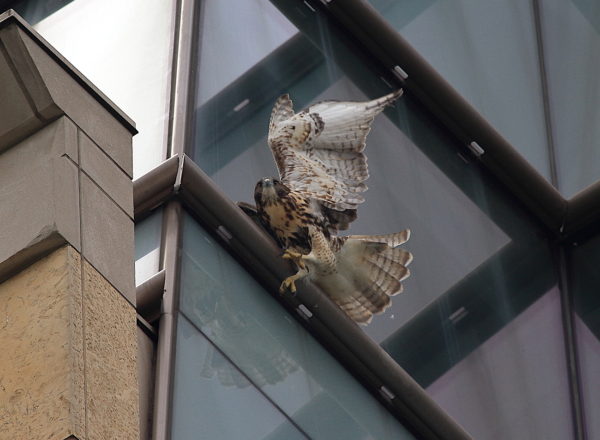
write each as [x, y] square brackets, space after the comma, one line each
[570, 343]
[537, 25]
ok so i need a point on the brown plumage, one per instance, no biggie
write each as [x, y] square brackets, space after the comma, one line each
[322, 167]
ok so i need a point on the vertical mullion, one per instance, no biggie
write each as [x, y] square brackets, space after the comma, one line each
[167, 326]
[186, 31]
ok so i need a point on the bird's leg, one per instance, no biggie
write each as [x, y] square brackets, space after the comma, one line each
[296, 257]
[290, 282]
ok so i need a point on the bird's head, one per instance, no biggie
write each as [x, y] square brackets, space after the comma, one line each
[269, 190]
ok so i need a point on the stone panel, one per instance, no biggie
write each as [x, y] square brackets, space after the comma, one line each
[111, 361]
[37, 211]
[41, 362]
[58, 139]
[102, 170]
[107, 232]
[39, 182]
[68, 364]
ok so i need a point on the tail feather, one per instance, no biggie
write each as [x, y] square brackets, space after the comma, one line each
[375, 267]
[356, 310]
[392, 240]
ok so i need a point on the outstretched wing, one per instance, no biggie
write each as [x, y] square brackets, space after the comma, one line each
[319, 151]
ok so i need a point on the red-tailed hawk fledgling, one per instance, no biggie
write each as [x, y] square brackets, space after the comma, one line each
[322, 167]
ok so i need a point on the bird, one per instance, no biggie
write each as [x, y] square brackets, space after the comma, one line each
[319, 153]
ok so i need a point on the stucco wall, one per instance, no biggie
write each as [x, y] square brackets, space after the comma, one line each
[67, 354]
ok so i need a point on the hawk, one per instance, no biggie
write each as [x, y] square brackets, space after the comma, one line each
[322, 168]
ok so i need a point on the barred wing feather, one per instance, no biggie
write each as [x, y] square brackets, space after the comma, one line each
[318, 151]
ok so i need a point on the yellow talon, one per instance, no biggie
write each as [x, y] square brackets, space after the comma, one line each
[288, 283]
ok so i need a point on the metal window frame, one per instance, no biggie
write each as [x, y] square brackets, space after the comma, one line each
[179, 184]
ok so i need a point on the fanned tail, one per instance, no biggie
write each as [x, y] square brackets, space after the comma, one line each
[383, 267]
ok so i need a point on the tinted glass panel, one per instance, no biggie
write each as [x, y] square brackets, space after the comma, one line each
[586, 285]
[271, 350]
[509, 375]
[463, 40]
[571, 30]
[208, 405]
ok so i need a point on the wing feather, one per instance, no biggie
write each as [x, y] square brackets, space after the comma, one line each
[318, 151]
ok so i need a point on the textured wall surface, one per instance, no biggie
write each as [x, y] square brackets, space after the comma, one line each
[111, 355]
[68, 354]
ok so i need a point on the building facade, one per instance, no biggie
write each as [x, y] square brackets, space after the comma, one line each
[490, 158]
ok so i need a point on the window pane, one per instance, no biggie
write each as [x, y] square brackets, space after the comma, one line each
[147, 246]
[271, 349]
[571, 30]
[463, 40]
[515, 384]
[209, 406]
[586, 285]
[124, 48]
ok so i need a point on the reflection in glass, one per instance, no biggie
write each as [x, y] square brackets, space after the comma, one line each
[147, 246]
[573, 69]
[516, 381]
[204, 408]
[271, 349]
[462, 40]
[214, 308]
[131, 64]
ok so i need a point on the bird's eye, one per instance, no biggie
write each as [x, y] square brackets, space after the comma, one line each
[293, 127]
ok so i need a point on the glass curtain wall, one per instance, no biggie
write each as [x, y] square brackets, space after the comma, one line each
[482, 286]
[245, 369]
[530, 67]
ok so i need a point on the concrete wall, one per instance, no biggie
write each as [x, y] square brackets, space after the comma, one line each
[68, 334]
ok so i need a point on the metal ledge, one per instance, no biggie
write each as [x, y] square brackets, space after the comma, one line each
[149, 296]
[155, 187]
[583, 215]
